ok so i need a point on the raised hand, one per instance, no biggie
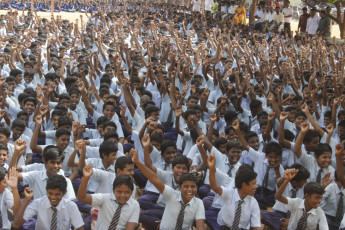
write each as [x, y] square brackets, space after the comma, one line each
[213, 118]
[200, 141]
[87, 171]
[122, 110]
[211, 161]
[80, 146]
[305, 127]
[271, 116]
[39, 119]
[339, 148]
[146, 141]
[43, 110]
[330, 129]
[326, 180]
[12, 178]
[236, 125]
[178, 111]
[289, 174]
[20, 146]
[283, 116]
[28, 193]
[134, 154]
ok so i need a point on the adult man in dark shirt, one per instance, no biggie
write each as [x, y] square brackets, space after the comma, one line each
[302, 24]
[324, 25]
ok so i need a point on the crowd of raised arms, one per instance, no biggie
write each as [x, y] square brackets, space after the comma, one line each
[151, 116]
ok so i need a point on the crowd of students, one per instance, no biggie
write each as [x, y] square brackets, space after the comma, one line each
[156, 117]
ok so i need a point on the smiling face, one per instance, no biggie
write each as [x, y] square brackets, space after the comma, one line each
[55, 196]
[109, 112]
[53, 166]
[324, 160]
[3, 157]
[249, 188]
[110, 159]
[178, 170]
[313, 200]
[63, 141]
[234, 155]
[3, 184]
[273, 159]
[29, 107]
[122, 193]
[169, 154]
[188, 190]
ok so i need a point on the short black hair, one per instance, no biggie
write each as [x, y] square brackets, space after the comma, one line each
[312, 187]
[121, 163]
[187, 177]
[244, 175]
[322, 148]
[302, 174]
[64, 120]
[182, 160]
[151, 109]
[57, 181]
[109, 123]
[62, 131]
[111, 134]
[273, 147]
[219, 141]
[233, 144]
[5, 131]
[51, 152]
[2, 173]
[250, 134]
[106, 148]
[18, 123]
[123, 180]
[167, 143]
[310, 135]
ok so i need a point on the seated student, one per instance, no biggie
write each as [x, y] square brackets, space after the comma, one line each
[63, 122]
[318, 166]
[98, 132]
[25, 116]
[240, 209]
[52, 159]
[267, 166]
[182, 208]
[53, 210]
[17, 133]
[151, 217]
[107, 126]
[294, 189]
[252, 139]
[340, 156]
[4, 156]
[9, 198]
[305, 213]
[117, 209]
[333, 203]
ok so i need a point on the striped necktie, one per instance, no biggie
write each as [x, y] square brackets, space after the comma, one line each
[230, 169]
[237, 218]
[265, 181]
[302, 223]
[340, 208]
[318, 177]
[293, 195]
[116, 217]
[180, 217]
[170, 116]
[53, 225]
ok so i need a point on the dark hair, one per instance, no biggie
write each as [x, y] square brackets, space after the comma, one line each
[109, 123]
[289, 135]
[233, 144]
[250, 134]
[22, 113]
[2, 173]
[3, 147]
[187, 177]
[321, 149]
[101, 120]
[64, 96]
[312, 187]
[52, 152]
[62, 131]
[18, 123]
[182, 160]
[32, 99]
[57, 112]
[57, 181]
[150, 109]
[121, 163]
[310, 135]
[110, 134]
[158, 137]
[273, 147]
[64, 120]
[5, 131]
[299, 114]
[107, 104]
[219, 141]
[244, 175]
[341, 124]
[189, 112]
[303, 173]
[123, 180]
[167, 143]
[106, 148]
[254, 104]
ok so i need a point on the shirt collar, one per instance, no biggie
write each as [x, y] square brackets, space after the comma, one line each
[60, 206]
[311, 211]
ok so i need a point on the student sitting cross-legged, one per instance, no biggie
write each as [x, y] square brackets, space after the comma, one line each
[182, 208]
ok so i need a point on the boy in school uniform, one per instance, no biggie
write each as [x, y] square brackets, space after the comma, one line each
[318, 166]
[9, 198]
[339, 156]
[117, 210]
[240, 209]
[305, 213]
[182, 207]
[275, 219]
[267, 166]
[53, 210]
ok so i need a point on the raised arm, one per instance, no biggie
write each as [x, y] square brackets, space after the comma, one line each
[300, 138]
[339, 155]
[145, 141]
[211, 161]
[82, 196]
[289, 174]
[236, 126]
[285, 143]
[18, 219]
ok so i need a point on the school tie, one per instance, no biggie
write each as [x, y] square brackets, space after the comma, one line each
[318, 177]
[340, 209]
[230, 169]
[293, 195]
[265, 181]
[116, 217]
[166, 165]
[0, 220]
[170, 116]
[183, 145]
[180, 217]
[302, 223]
[53, 225]
[237, 216]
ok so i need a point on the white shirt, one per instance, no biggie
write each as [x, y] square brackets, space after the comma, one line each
[330, 199]
[167, 177]
[37, 180]
[67, 214]
[279, 206]
[316, 217]
[106, 205]
[6, 204]
[312, 25]
[194, 210]
[250, 211]
[288, 12]
[225, 181]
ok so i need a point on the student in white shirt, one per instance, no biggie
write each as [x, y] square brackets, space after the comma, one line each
[182, 207]
[52, 209]
[305, 213]
[240, 209]
[275, 219]
[119, 202]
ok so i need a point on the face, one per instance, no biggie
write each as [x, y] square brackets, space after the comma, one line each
[109, 71]
[75, 98]
[324, 160]
[3, 139]
[109, 128]
[128, 170]
[3, 157]
[29, 107]
[55, 196]
[178, 170]
[53, 166]
[311, 146]
[55, 120]
[254, 143]
[169, 154]
[109, 112]
[156, 144]
[291, 115]
[188, 190]
[340, 130]
[155, 116]
[314, 199]
[191, 102]
[62, 142]
[111, 158]
[222, 148]
[122, 193]
[25, 118]
[250, 188]
[273, 159]
[299, 120]
[65, 101]
[234, 155]
[17, 132]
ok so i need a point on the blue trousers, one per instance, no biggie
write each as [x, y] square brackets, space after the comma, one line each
[148, 200]
[265, 197]
[211, 218]
[272, 219]
[150, 218]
